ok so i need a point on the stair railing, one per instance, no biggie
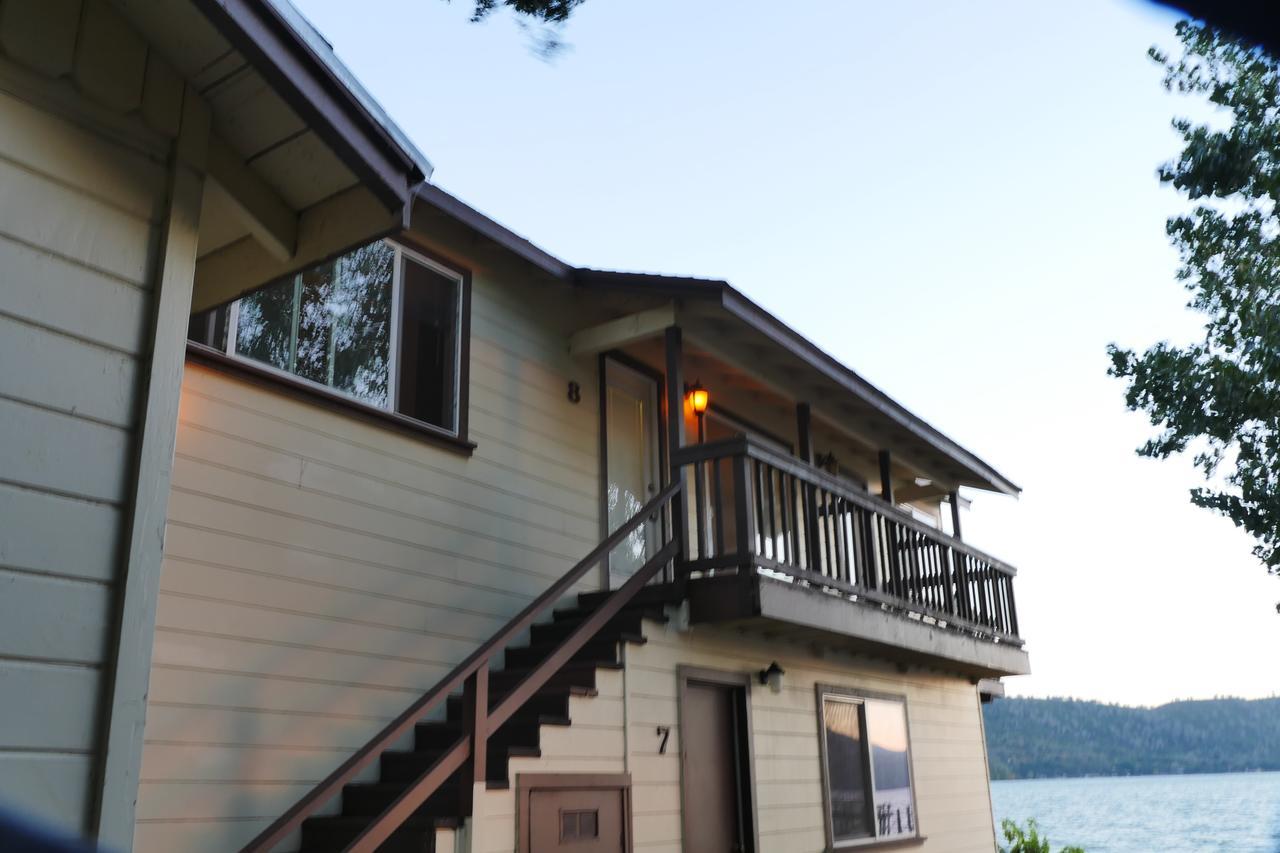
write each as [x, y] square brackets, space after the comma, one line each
[479, 722]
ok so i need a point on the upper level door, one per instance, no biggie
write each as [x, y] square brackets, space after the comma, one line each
[632, 463]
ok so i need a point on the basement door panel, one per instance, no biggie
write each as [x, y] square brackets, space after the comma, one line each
[576, 821]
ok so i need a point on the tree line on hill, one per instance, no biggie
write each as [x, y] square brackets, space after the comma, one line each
[1038, 738]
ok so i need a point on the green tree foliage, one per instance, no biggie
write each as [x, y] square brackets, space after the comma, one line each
[1036, 738]
[544, 11]
[1028, 840]
[1220, 397]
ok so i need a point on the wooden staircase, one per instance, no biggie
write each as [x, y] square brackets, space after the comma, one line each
[498, 715]
[519, 737]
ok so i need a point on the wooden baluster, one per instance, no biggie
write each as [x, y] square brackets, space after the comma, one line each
[718, 506]
[475, 726]
[832, 568]
[842, 546]
[744, 522]
[897, 586]
[788, 520]
[1013, 610]
[771, 509]
[757, 473]
[947, 578]
[700, 507]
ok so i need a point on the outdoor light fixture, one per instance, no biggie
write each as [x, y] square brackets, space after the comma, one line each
[699, 399]
[773, 677]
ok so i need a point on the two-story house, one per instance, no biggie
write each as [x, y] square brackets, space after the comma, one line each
[335, 515]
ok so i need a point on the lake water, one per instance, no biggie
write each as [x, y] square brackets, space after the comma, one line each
[1239, 812]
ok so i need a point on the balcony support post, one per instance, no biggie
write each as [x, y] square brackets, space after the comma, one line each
[674, 345]
[804, 430]
[954, 498]
[886, 477]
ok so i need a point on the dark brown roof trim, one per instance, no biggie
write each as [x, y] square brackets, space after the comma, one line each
[321, 98]
[467, 215]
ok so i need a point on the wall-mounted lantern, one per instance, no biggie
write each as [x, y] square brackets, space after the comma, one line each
[772, 677]
[699, 400]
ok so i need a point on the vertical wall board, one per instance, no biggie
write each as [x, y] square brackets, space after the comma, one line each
[41, 34]
[125, 700]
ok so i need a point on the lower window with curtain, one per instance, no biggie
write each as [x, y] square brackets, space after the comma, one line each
[866, 767]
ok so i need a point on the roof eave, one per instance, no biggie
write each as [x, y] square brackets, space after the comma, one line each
[282, 52]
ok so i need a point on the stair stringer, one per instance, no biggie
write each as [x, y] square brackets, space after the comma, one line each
[594, 742]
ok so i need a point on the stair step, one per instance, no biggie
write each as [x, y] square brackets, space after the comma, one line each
[603, 650]
[626, 622]
[327, 834]
[370, 798]
[655, 596]
[551, 701]
[398, 767]
[520, 729]
[580, 674]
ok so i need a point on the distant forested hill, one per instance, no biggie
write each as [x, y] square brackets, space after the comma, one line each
[1030, 738]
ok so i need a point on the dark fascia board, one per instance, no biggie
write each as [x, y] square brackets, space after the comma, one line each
[733, 302]
[748, 312]
[284, 55]
[463, 213]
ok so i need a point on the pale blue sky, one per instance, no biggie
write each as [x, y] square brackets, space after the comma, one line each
[957, 200]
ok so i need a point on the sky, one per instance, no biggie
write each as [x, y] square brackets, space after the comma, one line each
[958, 200]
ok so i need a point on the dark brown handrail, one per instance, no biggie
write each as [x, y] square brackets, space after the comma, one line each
[486, 722]
[853, 542]
[478, 660]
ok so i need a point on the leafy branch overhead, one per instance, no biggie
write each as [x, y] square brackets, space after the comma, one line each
[545, 11]
[1220, 396]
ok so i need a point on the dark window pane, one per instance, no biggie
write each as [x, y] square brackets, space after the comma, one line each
[264, 325]
[587, 825]
[361, 305]
[315, 321]
[846, 769]
[891, 768]
[428, 345]
[209, 327]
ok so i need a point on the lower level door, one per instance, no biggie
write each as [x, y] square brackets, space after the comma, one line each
[579, 821]
[716, 784]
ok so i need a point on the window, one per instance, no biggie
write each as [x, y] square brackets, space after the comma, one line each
[866, 762]
[380, 325]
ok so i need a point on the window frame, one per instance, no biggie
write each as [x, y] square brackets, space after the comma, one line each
[860, 696]
[309, 389]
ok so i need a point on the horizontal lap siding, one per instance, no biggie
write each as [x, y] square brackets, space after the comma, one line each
[321, 572]
[949, 765]
[77, 229]
[618, 732]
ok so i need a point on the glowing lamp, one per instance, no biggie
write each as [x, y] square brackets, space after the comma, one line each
[699, 399]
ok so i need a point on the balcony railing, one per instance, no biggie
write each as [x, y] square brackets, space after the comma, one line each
[755, 509]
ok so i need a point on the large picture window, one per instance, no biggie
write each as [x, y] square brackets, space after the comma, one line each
[381, 325]
[866, 763]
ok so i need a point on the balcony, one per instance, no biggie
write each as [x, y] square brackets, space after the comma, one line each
[773, 540]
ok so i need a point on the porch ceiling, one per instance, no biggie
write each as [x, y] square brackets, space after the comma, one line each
[762, 357]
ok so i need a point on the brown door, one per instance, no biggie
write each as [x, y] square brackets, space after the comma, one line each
[715, 785]
[578, 821]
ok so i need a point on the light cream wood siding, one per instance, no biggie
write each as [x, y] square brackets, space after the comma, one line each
[77, 234]
[322, 571]
[948, 758]
[617, 731]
